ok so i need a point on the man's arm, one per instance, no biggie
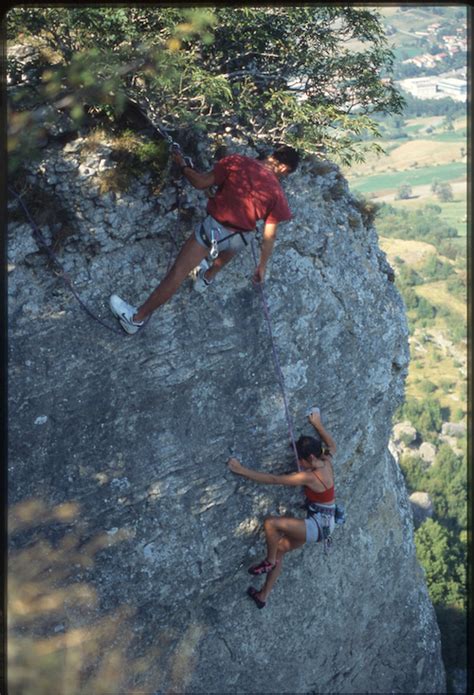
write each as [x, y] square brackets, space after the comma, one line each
[293, 479]
[197, 179]
[268, 241]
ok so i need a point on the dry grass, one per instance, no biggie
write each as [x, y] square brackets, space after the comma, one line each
[437, 294]
[425, 121]
[428, 365]
[133, 154]
[424, 153]
[414, 253]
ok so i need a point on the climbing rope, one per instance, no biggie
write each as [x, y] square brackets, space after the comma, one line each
[276, 361]
[145, 109]
[42, 244]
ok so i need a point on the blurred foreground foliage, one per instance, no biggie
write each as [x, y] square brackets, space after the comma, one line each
[307, 76]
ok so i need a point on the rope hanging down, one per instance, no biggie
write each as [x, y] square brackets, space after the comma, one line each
[41, 241]
[276, 361]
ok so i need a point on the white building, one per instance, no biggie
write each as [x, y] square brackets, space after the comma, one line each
[453, 87]
[421, 87]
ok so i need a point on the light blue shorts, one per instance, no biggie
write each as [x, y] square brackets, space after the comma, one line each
[314, 525]
[227, 239]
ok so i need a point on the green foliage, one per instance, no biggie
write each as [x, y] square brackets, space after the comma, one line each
[425, 311]
[441, 541]
[444, 192]
[404, 191]
[456, 285]
[414, 472]
[428, 387]
[434, 269]
[267, 73]
[409, 295]
[408, 276]
[425, 224]
[456, 327]
[415, 107]
[442, 562]
[424, 415]
[134, 156]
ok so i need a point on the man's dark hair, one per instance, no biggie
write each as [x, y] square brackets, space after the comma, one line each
[305, 446]
[287, 155]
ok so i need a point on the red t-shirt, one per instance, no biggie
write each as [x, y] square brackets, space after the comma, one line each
[247, 192]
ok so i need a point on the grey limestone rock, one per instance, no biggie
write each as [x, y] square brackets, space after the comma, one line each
[123, 511]
[422, 507]
[427, 452]
[453, 429]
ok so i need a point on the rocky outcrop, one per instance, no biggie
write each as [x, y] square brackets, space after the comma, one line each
[130, 539]
[422, 507]
[427, 453]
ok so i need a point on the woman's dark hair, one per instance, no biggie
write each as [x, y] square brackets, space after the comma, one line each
[305, 446]
[287, 155]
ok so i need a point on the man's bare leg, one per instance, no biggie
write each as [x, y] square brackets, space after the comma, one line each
[191, 254]
[222, 259]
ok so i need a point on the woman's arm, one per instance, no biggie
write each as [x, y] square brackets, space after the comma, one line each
[300, 478]
[315, 420]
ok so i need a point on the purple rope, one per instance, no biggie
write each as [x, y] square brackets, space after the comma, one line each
[40, 240]
[276, 361]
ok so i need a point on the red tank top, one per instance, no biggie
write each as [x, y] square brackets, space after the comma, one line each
[327, 495]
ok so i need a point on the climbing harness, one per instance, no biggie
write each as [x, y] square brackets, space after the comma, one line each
[276, 361]
[216, 239]
[42, 244]
[322, 516]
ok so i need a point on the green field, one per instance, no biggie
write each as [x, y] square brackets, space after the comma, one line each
[451, 136]
[414, 177]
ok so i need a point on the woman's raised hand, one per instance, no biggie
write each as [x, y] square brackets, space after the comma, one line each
[234, 465]
[315, 418]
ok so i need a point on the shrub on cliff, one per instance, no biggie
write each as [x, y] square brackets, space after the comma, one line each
[268, 73]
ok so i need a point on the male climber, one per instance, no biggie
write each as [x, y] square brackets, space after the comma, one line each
[248, 190]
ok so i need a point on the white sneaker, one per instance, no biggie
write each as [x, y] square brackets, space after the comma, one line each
[125, 312]
[200, 283]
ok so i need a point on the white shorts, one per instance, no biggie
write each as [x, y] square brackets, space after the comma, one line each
[314, 525]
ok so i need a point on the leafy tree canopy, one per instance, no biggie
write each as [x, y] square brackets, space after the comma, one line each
[307, 76]
[443, 564]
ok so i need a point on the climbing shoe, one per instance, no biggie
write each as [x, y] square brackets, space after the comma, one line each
[262, 567]
[200, 282]
[125, 312]
[253, 595]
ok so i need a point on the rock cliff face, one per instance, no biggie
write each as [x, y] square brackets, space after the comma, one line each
[129, 538]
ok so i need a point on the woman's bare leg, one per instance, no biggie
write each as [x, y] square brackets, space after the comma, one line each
[285, 545]
[275, 527]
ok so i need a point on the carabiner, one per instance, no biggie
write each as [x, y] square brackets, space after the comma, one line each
[214, 252]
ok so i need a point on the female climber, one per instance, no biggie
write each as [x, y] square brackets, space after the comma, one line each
[284, 534]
